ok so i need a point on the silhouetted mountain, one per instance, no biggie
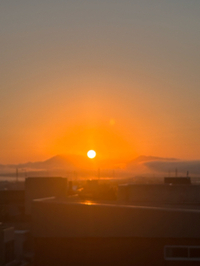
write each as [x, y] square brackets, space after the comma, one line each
[73, 162]
[56, 162]
[66, 162]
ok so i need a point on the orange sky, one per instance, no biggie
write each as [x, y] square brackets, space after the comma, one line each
[120, 78]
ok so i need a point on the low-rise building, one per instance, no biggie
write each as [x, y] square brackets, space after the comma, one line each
[86, 233]
[42, 187]
[173, 194]
[6, 245]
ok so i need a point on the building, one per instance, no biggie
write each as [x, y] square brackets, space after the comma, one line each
[162, 194]
[177, 180]
[86, 233]
[12, 205]
[6, 245]
[42, 187]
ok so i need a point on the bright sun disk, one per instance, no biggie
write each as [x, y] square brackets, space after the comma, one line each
[91, 154]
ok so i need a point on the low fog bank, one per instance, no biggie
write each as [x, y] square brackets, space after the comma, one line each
[182, 166]
[76, 167]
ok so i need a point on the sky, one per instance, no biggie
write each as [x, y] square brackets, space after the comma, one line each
[119, 77]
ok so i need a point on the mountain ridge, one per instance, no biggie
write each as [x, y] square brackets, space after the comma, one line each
[73, 162]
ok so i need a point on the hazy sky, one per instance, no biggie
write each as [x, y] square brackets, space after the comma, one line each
[121, 77]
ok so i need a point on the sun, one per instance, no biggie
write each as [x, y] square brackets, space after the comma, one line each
[91, 154]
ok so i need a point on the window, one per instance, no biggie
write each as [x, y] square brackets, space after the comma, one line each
[182, 253]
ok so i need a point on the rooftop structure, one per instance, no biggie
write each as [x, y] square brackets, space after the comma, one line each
[87, 233]
[177, 180]
[179, 194]
[41, 187]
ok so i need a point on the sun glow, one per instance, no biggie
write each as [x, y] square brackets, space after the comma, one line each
[91, 154]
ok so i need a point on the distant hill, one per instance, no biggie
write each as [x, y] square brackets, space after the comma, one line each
[66, 162]
[73, 162]
[56, 162]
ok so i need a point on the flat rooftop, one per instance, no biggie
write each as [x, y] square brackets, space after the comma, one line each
[59, 218]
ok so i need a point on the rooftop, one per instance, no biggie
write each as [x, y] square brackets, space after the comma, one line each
[100, 219]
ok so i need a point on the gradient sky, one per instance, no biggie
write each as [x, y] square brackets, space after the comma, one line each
[120, 77]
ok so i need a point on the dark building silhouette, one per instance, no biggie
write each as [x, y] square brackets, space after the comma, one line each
[113, 234]
[160, 194]
[41, 187]
[177, 180]
[12, 205]
[6, 245]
